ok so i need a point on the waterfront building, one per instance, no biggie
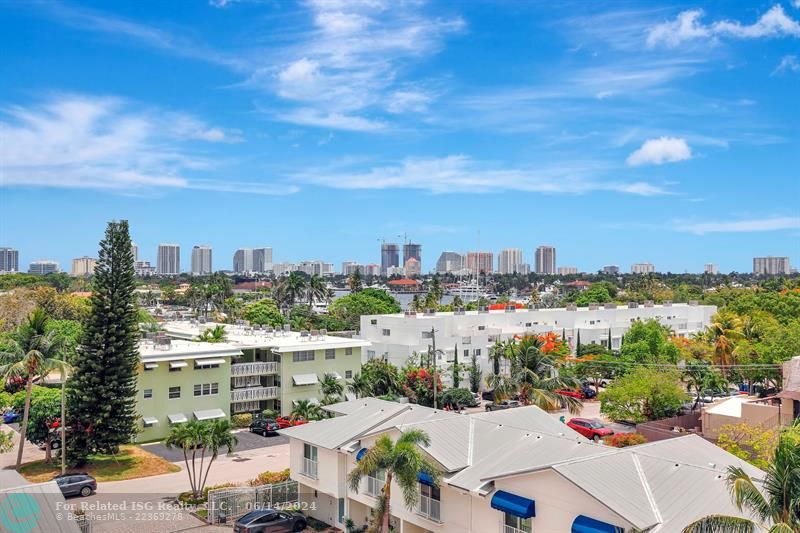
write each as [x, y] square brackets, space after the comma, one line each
[412, 251]
[480, 262]
[509, 261]
[710, 268]
[610, 269]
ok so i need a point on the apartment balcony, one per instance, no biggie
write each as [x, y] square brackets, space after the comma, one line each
[374, 486]
[253, 369]
[254, 393]
[429, 508]
[309, 468]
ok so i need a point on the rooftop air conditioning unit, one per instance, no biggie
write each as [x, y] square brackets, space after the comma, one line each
[459, 311]
[610, 306]
[667, 303]
[593, 307]
[511, 308]
[632, 305]
[430, 312]
[648, 303]
[572, 307]
[692, 302]
[483, 309]
[410, 314]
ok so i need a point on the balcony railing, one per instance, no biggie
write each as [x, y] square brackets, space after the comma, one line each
[254, 393]
[429, 508]
[253, 369]
[512, 529]
[374, 486]
[309, 468]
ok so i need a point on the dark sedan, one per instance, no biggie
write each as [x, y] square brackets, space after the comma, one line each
[505, 404]
[270, 521]
[76, 484]
[264, 427]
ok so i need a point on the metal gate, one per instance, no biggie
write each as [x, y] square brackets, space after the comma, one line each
[226, 505]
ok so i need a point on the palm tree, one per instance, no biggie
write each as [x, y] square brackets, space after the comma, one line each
[35, 352]
[354, 281]
[294, 287]
[200, 436]
[331, 388]
[360, 386]
[316, 290]
[402, 461]
[214, 335]
[723, 332]
[306, 409]
[775, 503]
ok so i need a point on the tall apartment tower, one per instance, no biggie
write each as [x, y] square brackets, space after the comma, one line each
[610, 269]
[83, 266]
[9, 260]
[243, 260]
[450, 262]
[412, 251]
[510, 261]
[478, 262]
[262, 259]
[546, 260]
[643, 268]
[710, 268]
[135, 251]
[201, 260]
[390, 256]
[169, 259]
[43, 267]
[771, 266]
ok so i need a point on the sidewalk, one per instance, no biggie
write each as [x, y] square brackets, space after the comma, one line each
[8, 475]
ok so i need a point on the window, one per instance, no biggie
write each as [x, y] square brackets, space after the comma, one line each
[375, 483]
[427, 334]
[386, 332]
[478, 352]
[527, 324]
[348, 351]
[330, 353]
[515, 524]
[429, 502]
[206, 389]
[466, 353]
[374, 322]
[370, 355]
[466, 340]
[348, 374]
[481, 328]
[309, 461]
[174, 393]
[303, 355]
[174, 369]
[148, 393]
[149, 368]
[245, 407]
[205, 367]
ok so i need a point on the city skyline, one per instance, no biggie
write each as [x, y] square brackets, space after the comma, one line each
[646, 132]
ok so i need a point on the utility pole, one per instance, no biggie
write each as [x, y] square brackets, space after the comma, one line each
[433, 340]
[62, 426]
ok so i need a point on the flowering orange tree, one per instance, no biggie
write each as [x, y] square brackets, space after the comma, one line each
[418, 385]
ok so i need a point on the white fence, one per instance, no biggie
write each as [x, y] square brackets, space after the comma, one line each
[229, 504]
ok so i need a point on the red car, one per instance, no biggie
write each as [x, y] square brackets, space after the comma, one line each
[589, 428]
[568, 392]
[284, 422]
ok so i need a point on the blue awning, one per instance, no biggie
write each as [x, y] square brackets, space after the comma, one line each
[361, 453]
[513, 504]
[425, 479]
[584, 524]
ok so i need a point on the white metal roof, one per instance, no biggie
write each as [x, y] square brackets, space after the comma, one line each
[305, 379]
[209, 362]
[178, 364]
[45, 501]
[209, 414]
[177, 418]
[150, 420]
[185, 349]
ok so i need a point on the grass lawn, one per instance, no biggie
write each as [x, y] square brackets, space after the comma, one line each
[131, 462]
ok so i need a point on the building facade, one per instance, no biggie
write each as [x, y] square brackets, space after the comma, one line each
[771, 266]
[567, 271]
[135, 251]
[643, 268]
[450, 262]
[168, 260]
[510, 261]
[83, 266]
[9, 260]
[43, 267]
[201, 260]
[545, 260]
[610, 269]
[397, 337]
[144, 269]
[710, 268]
[547, 479]
[412, 268]
[390, 256]
[478, 262]
[412, 251]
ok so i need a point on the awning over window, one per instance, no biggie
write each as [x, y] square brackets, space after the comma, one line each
[335, 374]
[150, 420]
[208, 362]
[425, 479]
[584, 524]
[513, 504]
[150, 366]
[305, 379]
[178, 364]
[210, 414]
[177, 418]
[312, 401]
[361, 453]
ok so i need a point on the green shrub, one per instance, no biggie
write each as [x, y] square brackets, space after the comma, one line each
[270, 413]
[269, 478]
[242, 420]
[457, 397]
[5, 399]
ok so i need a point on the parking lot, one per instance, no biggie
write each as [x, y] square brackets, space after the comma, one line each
[247, 442]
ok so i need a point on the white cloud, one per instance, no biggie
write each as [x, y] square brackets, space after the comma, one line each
[659, 151]
[687, 26]
[788, 63]
[460, 173]
[337, 121]
[404, 101]
[74, 141]
[775, 223]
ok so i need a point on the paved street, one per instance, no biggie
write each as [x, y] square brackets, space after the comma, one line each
[247, 442]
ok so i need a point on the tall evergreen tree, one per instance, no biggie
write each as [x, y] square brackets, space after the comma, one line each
[456, 369]
[101, 393]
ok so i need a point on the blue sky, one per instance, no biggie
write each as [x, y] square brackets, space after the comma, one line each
[620, 133]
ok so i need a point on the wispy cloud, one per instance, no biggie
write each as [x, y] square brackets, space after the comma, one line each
[462, 174]
[788, 63]
[78, 141]
[775, 223]
[660, 151]
[688, 26]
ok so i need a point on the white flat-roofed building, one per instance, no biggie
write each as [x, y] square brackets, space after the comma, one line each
[43, 267]
[509, 261]
[643, 268]
[277, 367]
[771, 266]
[513, 471]
[566, 270]
[9, 260]
[396, 337]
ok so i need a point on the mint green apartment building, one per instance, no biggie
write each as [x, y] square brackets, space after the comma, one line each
[255, 369]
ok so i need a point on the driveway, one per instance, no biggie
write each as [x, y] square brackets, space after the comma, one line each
[247, 442]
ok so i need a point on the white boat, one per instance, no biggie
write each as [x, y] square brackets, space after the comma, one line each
[469, 292]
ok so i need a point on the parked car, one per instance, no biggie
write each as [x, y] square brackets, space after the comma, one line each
[570, 392]
[590, 428]
[76, 484]
[264, 427]
[588, 392]
[488, 395]
[270, 521]
[284, 422]
[10, 416]
[499, 406]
